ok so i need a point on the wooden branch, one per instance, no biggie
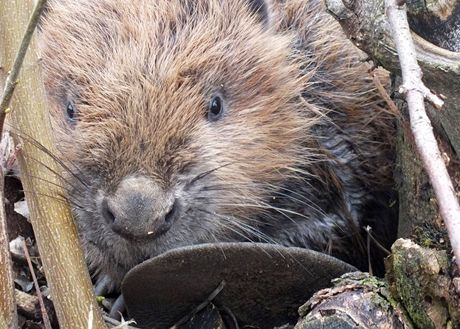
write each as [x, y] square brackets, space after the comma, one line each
[8, 315]
[357, 300]
[26, 303]
[12, 79]
[55, 231]
[425, 141]
[29, 306]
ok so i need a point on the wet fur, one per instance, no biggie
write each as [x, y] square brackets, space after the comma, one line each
[302, 156]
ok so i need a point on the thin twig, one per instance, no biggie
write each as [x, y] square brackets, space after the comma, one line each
[46, 320]
[12, 79]
[202, 305]
[425, 141]
[229, 316]
[368, 245]
[115, 324]
[377, 243]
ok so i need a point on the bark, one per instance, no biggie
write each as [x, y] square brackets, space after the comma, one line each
[418, 215]
[27, 304]
[419, 278]
[357, 301]
[55, 231]
[418, 293]
[8, 315]
[29, 307]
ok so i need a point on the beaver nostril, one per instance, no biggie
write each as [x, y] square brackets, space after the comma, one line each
[107, 212]
[139, 209]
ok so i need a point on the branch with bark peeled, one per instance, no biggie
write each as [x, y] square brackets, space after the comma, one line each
[387, 38]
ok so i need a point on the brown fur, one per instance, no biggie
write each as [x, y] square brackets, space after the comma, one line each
[141, 74]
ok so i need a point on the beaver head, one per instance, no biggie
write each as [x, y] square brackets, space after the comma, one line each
[175, 120]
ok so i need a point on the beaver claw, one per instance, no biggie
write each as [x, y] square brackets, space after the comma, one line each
[104, 287]
[118, 308]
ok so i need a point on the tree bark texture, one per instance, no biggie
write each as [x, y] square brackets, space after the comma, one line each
[356, 301]
[8, 314]
[418, 293]
[55, 231]
[420, 279]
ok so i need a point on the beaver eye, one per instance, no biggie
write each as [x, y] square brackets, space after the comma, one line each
[215, 109]
[71, 111]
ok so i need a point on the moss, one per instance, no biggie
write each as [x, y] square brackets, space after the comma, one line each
[415, 276]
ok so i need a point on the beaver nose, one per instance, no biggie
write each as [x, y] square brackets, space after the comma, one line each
[139, 208]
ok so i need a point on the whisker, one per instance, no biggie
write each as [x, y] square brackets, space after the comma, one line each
[58, 174]
[238, 232]
[245, 227]
[262, 237]
[264, 205]
[65, 180]
[306, 202]
[42, 148]
[29, 192]
[206, 173]
[70, 200]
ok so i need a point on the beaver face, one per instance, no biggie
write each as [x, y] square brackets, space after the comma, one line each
[175, 120]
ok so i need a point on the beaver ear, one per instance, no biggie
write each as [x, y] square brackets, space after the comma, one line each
[261, 9]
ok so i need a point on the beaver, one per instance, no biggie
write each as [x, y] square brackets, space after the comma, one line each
[183, 122]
